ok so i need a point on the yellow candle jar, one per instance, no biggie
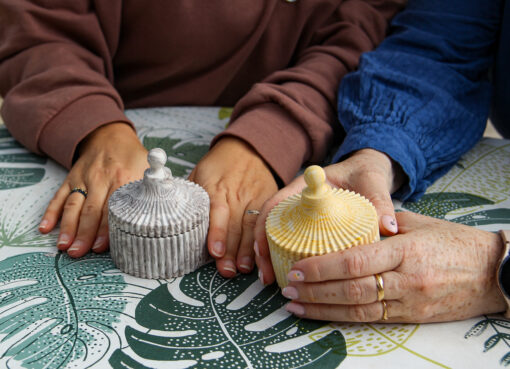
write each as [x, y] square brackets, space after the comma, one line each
[318, 221]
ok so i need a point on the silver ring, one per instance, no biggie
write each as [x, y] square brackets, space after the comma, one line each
[252, 212]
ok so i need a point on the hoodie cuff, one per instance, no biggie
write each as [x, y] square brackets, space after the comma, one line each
[62, 135]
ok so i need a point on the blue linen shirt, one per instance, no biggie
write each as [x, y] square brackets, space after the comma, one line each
[424, 95]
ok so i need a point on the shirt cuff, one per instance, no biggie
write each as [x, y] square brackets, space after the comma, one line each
[275, 135]
[61, 135]
[395, 143]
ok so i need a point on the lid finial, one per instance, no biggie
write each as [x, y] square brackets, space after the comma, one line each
[157, 159]
[317, 189]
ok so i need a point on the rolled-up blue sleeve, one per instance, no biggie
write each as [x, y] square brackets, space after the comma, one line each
[423, 96]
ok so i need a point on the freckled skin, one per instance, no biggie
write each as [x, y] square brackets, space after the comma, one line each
[433, 270]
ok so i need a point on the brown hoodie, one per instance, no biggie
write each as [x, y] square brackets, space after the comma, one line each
[68, 67]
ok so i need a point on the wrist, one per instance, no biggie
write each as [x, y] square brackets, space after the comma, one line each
[106, 134]
[395, 175]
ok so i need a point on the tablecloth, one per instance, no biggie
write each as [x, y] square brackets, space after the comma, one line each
[58, 312]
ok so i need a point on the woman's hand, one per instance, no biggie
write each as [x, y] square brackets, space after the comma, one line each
[109, 157]
[368, 172]
[237, 180]
[433, 271]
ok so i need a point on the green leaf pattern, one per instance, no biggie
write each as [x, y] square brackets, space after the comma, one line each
[61, 313]
[227, 323]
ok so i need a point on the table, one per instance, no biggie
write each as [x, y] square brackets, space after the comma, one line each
[57, 312]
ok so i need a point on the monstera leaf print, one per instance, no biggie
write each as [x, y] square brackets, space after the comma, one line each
[439, 204]
[226, 323]
[492, 216]
[16, 177]
[58, 312]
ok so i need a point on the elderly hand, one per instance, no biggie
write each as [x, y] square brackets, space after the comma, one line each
[432, 271]
[237, 180]
[109, 157]
[368, 172]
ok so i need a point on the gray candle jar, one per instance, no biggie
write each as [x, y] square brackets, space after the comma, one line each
[158, 225]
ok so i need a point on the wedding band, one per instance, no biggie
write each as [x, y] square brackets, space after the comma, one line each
[253, 212]
[384, 310]
[380, 286]
[80, 190]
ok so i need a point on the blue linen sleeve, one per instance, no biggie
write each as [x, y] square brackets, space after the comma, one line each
[423, 96]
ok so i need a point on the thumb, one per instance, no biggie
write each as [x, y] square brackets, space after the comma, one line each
[381, 199]
[262, 256]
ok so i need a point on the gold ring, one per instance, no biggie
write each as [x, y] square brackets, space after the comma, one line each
[380, 286]
[79, 190]
[253, 212]
[384, 310]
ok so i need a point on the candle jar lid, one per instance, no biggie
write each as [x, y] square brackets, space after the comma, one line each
[320, 220]
[158, 225]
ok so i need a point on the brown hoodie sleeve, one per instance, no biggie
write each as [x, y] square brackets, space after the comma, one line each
[55, 74]
[288, 118]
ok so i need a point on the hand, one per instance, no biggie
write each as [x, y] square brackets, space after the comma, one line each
[237, 180]
[367, 172]
[433, 271]
[108, 158]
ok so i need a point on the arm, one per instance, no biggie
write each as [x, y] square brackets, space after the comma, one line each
[288, 117]
[423, 96]
[56, 73]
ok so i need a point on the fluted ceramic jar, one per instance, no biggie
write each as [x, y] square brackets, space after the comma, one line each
[158, 225]
[320, 220]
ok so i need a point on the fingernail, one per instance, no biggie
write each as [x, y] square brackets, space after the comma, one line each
[43, 224]
[77, 245]
[63, 239]
[389, 223]
[296, 276]
[99, 242]
[218, 249]
[294, 308]
[290, 293]
[246, 263]
[261, 277]
[229, 265]
[256, 248]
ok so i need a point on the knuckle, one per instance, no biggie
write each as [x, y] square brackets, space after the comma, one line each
[249, 221]
[354, 291]
[358, 313]
[90, 210]
[71, 205]
[355, 264]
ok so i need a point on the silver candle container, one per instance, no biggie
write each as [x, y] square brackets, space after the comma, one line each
[158, 225]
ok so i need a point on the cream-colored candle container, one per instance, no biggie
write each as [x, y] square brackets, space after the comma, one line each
[318, 221]
[158, 225]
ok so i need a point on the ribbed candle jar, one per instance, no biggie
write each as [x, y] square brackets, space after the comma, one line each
[318, 221]
[158, 225]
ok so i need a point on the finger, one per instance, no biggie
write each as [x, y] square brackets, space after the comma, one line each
[245, 254]
[102, 241]
[261, 247]
[90, 218]
[359, 261]
[217, 237]
[54, 209]
[347, 292]
[70, 219]
[375, 190]
[348, 313]
[228, 263]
